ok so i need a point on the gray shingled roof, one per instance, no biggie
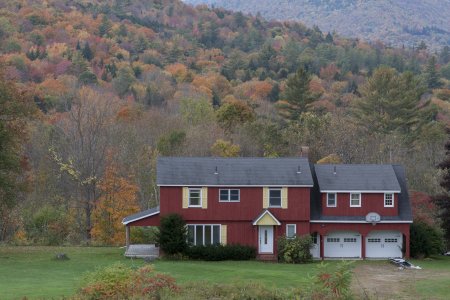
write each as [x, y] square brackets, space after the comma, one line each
[198, 171]
[357, 178]
[404, 206]
[140, 215]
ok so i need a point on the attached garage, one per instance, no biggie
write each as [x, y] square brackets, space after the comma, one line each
[342, 244]
[384, 244]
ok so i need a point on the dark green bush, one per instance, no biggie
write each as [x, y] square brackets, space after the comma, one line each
[172, 234]
[295, 250]
[221, 252]
[425, 240]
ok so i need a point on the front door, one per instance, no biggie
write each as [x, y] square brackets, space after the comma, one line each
[265, 239]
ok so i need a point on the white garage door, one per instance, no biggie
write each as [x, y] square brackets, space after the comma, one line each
[384, 244]
[342, 244]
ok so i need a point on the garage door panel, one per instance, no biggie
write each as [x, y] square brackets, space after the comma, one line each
[384, 244]
[342, 244]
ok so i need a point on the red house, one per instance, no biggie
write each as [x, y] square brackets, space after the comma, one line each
[352, 211]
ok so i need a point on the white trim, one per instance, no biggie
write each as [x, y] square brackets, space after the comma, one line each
[201, 197]
[234, 185]
[359, 191]
[335, 200]
[351, 199]
[295, 230]
[140, 218]
[393, 200]
[263, 214]
[357, 222]
[203, 232]
[229, 195]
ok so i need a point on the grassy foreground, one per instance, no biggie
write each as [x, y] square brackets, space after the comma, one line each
[32, 271]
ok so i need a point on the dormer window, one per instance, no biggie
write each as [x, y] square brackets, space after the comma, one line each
[355, 199]
[331, 200]
[388, 200]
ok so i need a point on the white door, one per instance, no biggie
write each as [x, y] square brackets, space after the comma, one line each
[384, 244]
[265, 239]
[342, 244]
[315, 249]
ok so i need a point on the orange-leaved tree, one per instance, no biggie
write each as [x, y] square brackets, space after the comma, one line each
[118, 199]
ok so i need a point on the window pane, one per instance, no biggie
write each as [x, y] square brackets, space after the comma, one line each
[290, 231]
[234, 195]
[224, 195]
[216, 235]
[191, 234]
[207, 235]
[199, 235]
[194, 197]
[275, 198]
[331, 199]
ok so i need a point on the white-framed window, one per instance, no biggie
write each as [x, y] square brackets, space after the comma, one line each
[195, 197]
[314, 237]
[229, 195]
[331, 200]
[274, 197]
[355, 199]
[333, 240]
[388, 200]
[203, 234]
[291, 230]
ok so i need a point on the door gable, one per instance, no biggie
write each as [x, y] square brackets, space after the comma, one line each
[266, 218]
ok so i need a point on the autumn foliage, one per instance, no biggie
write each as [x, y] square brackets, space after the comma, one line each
[118, 199]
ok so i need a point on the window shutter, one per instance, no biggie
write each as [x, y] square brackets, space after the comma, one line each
[204, 197]
[265, 197]
[185, 197]
[223, 234]
[284, 197]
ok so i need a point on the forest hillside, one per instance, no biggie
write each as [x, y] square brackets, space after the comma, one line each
[93, 92]
[395, 22]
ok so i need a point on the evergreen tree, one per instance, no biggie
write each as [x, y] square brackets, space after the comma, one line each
[87, 52]
[442, 201]
[105, 26]
[445, 55]
[274, 94]
[390, 102]
[329, 38]
[297, 95]
[431, 75]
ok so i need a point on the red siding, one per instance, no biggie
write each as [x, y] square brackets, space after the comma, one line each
[369, 203]
[149, 221]
[249, 207]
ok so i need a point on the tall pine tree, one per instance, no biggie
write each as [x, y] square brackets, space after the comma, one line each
[297, 95]
[442, 201]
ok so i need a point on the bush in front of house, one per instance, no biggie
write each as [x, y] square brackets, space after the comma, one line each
[121, 282]
[425, 240]
[221, 252]
[172, 235]
[295, 250]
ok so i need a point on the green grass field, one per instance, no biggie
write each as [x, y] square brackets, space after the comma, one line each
[32, 271]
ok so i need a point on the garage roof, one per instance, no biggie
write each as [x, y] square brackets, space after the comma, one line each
[211, 171]
[364, 178]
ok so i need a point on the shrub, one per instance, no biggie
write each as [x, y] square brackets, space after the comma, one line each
[221, 252]
[144, 235]
[425, 239]
[332, 284]
[295, 250]
[121, 282]
[47, 226]
[172, 234]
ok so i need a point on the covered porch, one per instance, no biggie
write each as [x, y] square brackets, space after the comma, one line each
[149, 217]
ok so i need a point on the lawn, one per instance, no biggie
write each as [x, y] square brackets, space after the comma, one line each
[31, 272]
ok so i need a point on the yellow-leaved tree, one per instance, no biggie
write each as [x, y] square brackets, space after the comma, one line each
[118, 199]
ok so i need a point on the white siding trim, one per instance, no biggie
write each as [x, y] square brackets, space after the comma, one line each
[359, 191]
[357, 222]
[234, 185]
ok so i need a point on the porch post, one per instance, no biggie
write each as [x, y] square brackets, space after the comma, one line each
[127, 235]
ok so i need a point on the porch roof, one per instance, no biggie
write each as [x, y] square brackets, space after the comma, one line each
[140, 215]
